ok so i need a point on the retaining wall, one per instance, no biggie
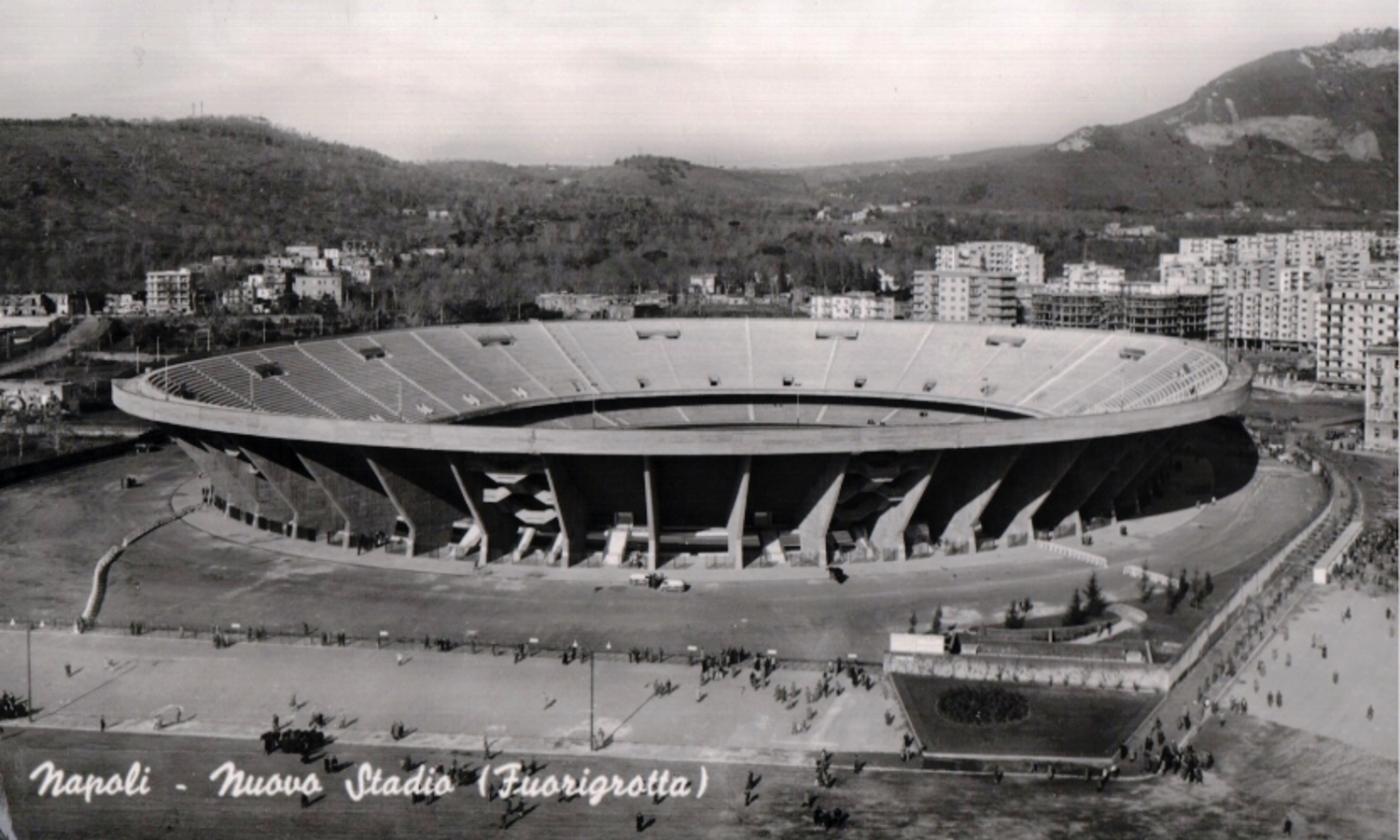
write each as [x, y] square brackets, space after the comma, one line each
[1117, 676]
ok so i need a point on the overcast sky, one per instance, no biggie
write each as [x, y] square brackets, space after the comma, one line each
[758, 83]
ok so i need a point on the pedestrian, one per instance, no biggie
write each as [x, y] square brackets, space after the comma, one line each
[102, 721]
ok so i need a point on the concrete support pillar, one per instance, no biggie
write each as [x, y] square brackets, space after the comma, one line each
[738, 511]
[889, 530]
[1026, 486]
[344, 474]
[653, 526]
[963, 484]
[423, 491]
[244, 486]
[287, 476]
[1129, 501]
[1135, 458]
[193, 448]
[497, 527]
[1095, 464]
[569, 507]
[820, 505]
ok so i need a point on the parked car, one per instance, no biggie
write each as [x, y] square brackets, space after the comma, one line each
[674, 585]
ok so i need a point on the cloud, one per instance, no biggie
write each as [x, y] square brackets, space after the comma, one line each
[773, 82]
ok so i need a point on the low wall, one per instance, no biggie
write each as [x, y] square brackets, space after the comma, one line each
[1322, 570]
[68, 460]
[1204, 636]
[1117, 676]
[104, 563]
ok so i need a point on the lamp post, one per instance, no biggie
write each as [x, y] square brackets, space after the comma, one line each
[29, 672]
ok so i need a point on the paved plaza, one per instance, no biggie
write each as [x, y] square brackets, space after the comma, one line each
[1361, 651]
[458, 696]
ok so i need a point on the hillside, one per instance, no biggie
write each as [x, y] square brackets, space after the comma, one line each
[90, 203]
[92, 197]
[1304, 128]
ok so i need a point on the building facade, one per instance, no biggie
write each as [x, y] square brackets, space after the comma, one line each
[319, 287]
[853, 306]
[1271, 320]
[170, 292]
[1093, 277]
[1020, 259]
[1382, 385]
[1353, 316]
[964, 295]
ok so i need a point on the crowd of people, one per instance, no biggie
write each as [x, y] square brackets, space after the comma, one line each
[1371, 562]
[12, 707]
[1163, 758]
[725, 663]
[302, 742]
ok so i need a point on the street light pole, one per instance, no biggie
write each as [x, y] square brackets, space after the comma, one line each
[592, 743]
[29, 672]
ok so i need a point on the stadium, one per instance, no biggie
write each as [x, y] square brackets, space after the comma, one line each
[736, 442]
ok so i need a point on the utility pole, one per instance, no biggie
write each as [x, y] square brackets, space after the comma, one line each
[592, 742]
[29, 672]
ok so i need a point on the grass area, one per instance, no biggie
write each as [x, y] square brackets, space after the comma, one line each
[1062, 721]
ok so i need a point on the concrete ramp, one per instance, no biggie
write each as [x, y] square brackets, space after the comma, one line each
[527, 538]
[772, 547]
[616, 549]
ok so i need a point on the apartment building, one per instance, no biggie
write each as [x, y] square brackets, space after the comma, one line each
[964, 295]
[853, 306]
[1019, 259]
[1353, 316]
[1092, 277]
[170, 292]
[319, 287]
[1382, 385]
[1271, 320]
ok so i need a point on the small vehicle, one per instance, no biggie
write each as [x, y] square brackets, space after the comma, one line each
[639, 579]
[674, 585]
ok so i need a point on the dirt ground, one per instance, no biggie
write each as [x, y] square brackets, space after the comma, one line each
[53, 530]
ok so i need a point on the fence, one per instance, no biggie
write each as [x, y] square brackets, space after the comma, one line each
[1082, 556]
[104, 563]
[1205, 635]
[35, 469]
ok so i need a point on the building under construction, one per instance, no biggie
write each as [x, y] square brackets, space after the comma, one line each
[1178, 314]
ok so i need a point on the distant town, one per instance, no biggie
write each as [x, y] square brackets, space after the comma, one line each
[1325, 299]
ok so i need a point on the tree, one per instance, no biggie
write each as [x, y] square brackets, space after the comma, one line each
[935, 625]
[1145, 586]
[1014, 620]
[1075, 614]
[1207, 585]
[913, 622]
[1094, 602]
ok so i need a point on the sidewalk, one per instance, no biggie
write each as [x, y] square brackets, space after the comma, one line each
[537, 704]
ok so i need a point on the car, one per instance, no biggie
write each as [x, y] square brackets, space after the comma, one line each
[674, 585]
[639, 579]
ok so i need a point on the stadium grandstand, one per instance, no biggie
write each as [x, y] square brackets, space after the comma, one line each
[621, 442]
